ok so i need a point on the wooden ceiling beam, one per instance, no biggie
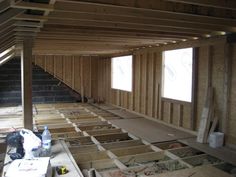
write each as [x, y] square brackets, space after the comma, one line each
[109, 40]
[117, 44]
[4, 5]
[6, 25]
[142, 21]
[26, 29]
[221, 4]
[32, 6]
[148, 9]
[101, 31]
[28, 24]
[107, 33]
[31, 17]
[76, 52]
[9, 15]
[103, 37]
[6, 32]
[123, 26]
[6, 42]
[25, 33]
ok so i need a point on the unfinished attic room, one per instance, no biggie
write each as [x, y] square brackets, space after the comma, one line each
[118, 88]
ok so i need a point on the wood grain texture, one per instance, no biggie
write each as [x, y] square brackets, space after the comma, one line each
[146, 97]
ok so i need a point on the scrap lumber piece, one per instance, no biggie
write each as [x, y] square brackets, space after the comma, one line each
[206, 117]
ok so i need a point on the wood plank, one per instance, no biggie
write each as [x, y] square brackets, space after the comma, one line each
[206, 117]
[4, 5]
[151, 22]
[180, 121]
[227, 85]
[158, 10]
[137, 66]
[9, 15]
[171, 113]
[31, 17]
[194, 88]
[103, 132]
[139, 127]
[32, 6]
[26, 83]
[121, 144]
[143, 83]
[231, 5]
[150, 84]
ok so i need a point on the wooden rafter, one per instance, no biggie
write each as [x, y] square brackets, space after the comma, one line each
[9, 15]
[4, 5]
[30, 17]
[145, 21]
[28, 24]
[33, 6]
[150, 9]
[229, 4]
[121, 24]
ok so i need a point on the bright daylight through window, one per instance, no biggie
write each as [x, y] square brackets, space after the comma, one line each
[121, 73]
[177, 74]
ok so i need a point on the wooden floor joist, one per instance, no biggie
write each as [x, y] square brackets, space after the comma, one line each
[111, 150]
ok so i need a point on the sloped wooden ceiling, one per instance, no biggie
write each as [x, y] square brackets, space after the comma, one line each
[99, 27]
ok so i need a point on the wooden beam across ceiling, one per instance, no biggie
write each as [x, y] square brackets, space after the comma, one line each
[142, 8]
[32, 6]
[103, 37]
[4, 5]
[28, 24]
[123, 26]
[142, 21]
[77, 30]
[31, 17]
[108, 26]
[26, 29]
[9, 14]
[222, 4]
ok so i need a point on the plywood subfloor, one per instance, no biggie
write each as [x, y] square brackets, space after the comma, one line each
[149, 130]
[223, 153]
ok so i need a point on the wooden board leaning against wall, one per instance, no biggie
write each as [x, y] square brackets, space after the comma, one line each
[91, 76]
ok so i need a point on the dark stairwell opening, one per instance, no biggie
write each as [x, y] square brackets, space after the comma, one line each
[45, 88]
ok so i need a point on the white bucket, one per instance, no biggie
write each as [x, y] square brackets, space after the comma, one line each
[216, 139]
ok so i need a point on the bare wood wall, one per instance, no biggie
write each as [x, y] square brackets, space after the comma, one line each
[79, 73]
[92, 78]
[147, 84]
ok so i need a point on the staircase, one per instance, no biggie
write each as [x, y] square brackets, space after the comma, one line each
[45, 88]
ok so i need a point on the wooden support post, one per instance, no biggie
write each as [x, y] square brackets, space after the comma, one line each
[227, 86]
[82, 79]
[171, 109]
[181, 112]
[194, 89]
[210, 62]
[26, 83]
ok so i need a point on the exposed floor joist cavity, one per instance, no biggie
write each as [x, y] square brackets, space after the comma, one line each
[97, 142]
